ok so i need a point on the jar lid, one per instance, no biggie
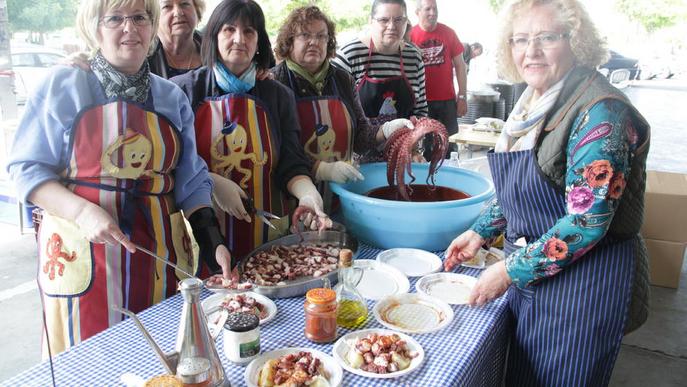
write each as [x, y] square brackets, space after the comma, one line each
[193, 370]
[320, 295]
[241, 322]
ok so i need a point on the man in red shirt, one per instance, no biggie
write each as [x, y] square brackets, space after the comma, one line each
[442, 53]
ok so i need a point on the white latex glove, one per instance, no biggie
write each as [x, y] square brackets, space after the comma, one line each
[388, 128]
[338, 171]
[99, 227]
[304, 190]
[228, 196]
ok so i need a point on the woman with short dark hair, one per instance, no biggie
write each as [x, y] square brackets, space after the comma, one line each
[333, 124]
[246, 128]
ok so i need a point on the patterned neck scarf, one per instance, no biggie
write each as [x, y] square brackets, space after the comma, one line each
[317, 79]
[525, 121]
[230, 83]
[119, 85]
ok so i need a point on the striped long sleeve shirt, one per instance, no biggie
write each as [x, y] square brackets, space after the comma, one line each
[353, 57]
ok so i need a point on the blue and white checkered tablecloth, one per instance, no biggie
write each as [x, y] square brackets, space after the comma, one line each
[470, 351]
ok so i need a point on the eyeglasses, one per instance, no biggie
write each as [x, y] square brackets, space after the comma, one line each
[307, 37]
[384, 21]
[116, 21]
[543, 40]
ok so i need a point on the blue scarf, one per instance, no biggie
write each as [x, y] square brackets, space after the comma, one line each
[230, 83]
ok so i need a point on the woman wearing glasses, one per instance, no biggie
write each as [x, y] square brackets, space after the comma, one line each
[332, 122]
[110, 156]
[246, 128]
[569, 171]
[389, 74]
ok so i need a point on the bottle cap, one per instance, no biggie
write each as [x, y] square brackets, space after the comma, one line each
[320, 295]
[345, 258]
[241, 322]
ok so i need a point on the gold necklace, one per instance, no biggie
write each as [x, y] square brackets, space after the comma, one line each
[176, 65]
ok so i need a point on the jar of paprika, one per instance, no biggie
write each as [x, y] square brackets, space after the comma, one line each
[320, 315]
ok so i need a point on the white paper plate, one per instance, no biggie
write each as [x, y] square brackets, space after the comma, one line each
[411, 262]
[211, 306]
[341, 347]
[380, 280]
[331, 366]
[485, 258]
[452, 288]
[413, 313]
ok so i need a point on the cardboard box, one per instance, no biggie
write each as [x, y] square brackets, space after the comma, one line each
[665, 207]
[665, 262]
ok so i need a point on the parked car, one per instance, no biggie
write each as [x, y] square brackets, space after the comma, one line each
[659, 67]
[30, 64]
[618, 61]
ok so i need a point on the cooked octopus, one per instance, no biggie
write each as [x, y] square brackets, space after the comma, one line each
[245, 304]
[398, 153]
[380, 354]
[293, 370]
[279, 264]
[217, 281]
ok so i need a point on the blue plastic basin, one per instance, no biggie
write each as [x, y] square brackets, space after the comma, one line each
[429, 226]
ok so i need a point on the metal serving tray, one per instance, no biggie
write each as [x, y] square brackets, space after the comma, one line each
[299, 286]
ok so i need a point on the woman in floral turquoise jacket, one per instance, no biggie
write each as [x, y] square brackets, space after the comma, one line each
[569, 171]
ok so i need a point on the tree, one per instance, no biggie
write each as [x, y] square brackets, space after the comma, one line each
[653, 15]
[276, 11]
[41, 16]
[496, 5]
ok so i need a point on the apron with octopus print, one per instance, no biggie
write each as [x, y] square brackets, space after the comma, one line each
[326, 131]
[234, 137]
[122, 158]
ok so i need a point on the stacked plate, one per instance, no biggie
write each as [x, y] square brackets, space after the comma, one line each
[452, 288]
[411, 262]
[477, 108]
[380, 280]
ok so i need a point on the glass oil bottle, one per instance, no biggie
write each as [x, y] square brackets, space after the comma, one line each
[352, 307]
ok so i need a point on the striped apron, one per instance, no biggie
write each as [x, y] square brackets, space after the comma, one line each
[568, 328]
[234, 137]
[122, 158]
[326, 131]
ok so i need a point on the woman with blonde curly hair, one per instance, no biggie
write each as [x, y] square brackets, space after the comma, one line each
[569, 171]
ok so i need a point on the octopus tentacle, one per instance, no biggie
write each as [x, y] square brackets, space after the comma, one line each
[399, 150]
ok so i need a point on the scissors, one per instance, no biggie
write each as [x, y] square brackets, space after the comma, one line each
[265, 216]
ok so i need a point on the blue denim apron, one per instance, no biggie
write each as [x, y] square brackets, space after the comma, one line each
[568, 328]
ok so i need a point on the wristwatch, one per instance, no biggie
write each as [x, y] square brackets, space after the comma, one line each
[461, 97]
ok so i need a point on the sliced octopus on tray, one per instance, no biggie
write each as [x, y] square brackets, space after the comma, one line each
[217, 281]
[282, 263]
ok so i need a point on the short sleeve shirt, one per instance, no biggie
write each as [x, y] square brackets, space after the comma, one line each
[438, 47]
